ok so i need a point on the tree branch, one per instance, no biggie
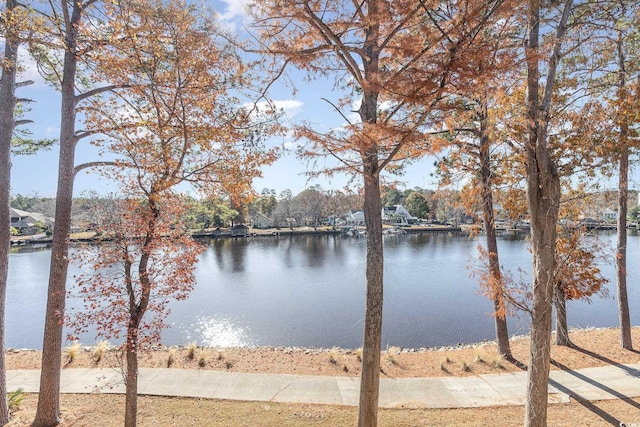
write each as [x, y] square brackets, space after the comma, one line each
[83, 134]
[337, 109]
[93, 165]
[555, 58]
[97, 91]
[338, 47]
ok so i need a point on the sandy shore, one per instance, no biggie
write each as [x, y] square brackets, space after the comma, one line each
[593, 347]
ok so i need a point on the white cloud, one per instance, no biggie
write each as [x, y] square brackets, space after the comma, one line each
[287, 108]
[29, 68]
[292, 145]
[235, 9]
[354, 118]
[52, 132]
[387, 105]
[290, 107]
[234, 12]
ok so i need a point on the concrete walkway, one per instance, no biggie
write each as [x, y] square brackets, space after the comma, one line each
[610, 382]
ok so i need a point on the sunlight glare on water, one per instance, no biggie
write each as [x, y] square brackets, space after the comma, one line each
[309, 291]
[219, 332]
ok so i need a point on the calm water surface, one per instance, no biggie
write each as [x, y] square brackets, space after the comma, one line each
[309, 291]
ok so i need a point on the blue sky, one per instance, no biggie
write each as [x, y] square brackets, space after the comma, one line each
[37, 174]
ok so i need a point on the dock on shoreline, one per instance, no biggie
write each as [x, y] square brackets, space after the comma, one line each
[222, 233]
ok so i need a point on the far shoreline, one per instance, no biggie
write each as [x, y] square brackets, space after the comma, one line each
[41, 241]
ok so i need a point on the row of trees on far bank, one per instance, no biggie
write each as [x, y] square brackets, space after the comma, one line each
[315, 206]
[311, 207]
[526, 102]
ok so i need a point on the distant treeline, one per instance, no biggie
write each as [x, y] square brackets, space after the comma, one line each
[315, 206]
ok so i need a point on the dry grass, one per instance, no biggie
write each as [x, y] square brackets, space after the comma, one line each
[498, 361]
[191, 350]
[82, 235]
[333, 355]
[391, 354]
[202, 360]
[100, 350]
[72, 352]
[171, 357]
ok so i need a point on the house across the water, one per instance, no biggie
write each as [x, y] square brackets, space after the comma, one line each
[30, 222]
[397, 214]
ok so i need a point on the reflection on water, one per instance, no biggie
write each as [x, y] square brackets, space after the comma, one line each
[309, 291]
[32, 247]
[218, 332]
[229, 253]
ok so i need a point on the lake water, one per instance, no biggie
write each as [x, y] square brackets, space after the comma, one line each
[309, 291]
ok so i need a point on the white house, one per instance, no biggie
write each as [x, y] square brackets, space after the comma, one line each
[397, 215]
[262, 221]
[355, 218]
[610, 216]
[26, 222]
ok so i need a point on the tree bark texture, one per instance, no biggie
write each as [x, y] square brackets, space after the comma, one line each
[372, 341]
[562, 328]
[497, 296]
[544, 217]
[48, 411]
[370, 377]
[621, 252]
[7, 125]
[623, 195]
[543, 197]
[131, 378]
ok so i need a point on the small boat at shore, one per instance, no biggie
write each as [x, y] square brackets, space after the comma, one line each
[394, 230]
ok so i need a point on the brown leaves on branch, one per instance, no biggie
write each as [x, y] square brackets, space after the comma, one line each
[172, 120]
[178, 117]
[577, 272]
[111, 280]
[403, 58]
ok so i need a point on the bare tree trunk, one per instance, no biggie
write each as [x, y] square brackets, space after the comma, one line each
[48, 411]
[7, 125]
[562, 329]
[131, 381]
[370, 378]
[621, 252]
[543, 244]
[372, 342]
[500, 318]
[543, 196]
[623, 195]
